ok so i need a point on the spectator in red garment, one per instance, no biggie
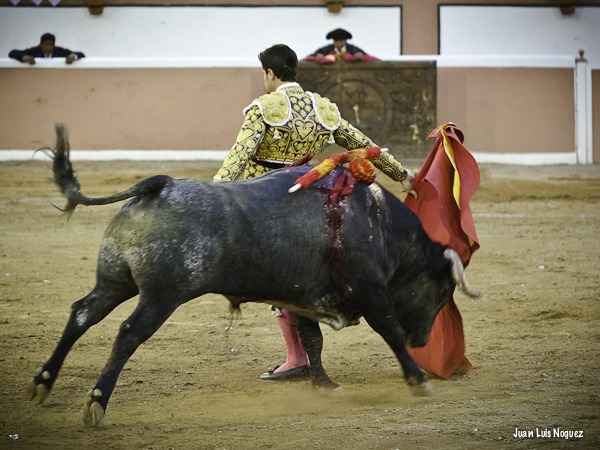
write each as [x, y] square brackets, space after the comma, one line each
[46, 49]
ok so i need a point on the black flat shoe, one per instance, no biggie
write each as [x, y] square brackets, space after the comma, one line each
[296, 374]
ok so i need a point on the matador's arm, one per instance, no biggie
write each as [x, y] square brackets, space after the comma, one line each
[249, 138]
[350, 138]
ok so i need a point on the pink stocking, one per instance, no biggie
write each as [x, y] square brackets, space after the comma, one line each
[296, 355]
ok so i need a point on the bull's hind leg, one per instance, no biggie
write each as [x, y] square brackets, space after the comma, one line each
[86, 312]
[376, 308]
[148, 316]
[312, 341]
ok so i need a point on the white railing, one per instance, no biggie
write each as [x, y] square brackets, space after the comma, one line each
[517, 61]
[133, 63]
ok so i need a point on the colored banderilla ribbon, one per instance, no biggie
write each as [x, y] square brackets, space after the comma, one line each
[360, 166]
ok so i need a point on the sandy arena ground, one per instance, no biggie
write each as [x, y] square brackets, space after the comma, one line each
[533, 339]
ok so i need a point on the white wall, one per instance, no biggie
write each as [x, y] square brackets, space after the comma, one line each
[519, 30]
[201, 31]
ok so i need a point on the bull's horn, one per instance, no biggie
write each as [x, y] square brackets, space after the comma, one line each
[458, 273]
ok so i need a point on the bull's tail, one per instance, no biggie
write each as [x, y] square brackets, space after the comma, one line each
[458, 273]
[64, 177]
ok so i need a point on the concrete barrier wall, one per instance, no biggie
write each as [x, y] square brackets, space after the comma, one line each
[501, 110]
[510, 110]
[128, 109]
[175, 105]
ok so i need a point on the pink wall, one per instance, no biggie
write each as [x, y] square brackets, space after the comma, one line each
[171, 109]
[500, 110]
[509, 110]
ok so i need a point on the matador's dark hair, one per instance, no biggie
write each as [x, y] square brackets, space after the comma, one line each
[47, 37]
[282, 60]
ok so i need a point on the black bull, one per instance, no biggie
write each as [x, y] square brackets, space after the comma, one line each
[252, 241]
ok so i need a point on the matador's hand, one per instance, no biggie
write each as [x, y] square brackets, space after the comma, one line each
[407, 183]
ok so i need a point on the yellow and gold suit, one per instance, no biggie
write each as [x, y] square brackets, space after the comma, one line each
[286, 125]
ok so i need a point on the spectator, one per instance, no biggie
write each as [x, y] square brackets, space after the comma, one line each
[46, 49]
[340, 49]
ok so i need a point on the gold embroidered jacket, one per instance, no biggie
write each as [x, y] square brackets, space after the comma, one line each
[286, 125]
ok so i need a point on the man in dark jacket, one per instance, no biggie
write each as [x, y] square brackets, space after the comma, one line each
[46, 49]
[340, 49]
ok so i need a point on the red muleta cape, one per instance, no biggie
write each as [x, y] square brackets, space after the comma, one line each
[446, 183]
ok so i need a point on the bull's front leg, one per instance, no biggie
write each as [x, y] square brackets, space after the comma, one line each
[376, 307]
[312, 341]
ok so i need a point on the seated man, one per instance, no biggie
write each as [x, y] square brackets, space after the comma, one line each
[340, 49]
[46, 49]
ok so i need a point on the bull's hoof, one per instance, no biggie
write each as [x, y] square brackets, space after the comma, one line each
[422, 389]
[329, 388]
[37, 393]
[338, 392]
[93, 412]
[39, 386]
